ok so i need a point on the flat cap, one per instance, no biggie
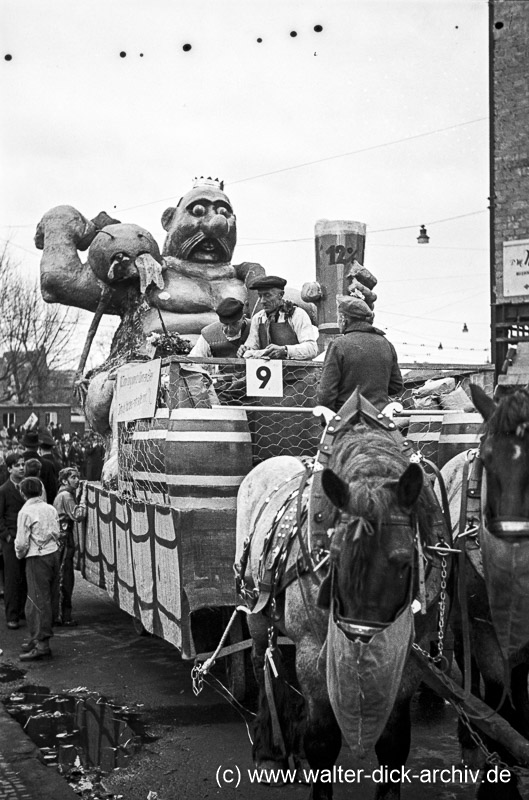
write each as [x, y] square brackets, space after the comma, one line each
[230, 309]
[268, 282]
[354, 307]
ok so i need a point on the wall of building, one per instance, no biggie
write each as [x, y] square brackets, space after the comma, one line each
[62, 414]
[509, 30]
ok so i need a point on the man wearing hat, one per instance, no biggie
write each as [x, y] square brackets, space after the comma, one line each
[222, 339]
[362, 358]
[281, 329]
[46, 445]
[30, 441]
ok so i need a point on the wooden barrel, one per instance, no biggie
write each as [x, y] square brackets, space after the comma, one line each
[208, 453]
[424, 431]
[459, 432]
[148, 457]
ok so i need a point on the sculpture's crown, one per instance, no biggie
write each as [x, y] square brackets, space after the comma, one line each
[211, 182]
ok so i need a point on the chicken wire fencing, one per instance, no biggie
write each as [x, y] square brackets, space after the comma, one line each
[270, 426]
[205, 424]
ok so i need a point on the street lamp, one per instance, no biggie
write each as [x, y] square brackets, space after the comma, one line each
[423, 237]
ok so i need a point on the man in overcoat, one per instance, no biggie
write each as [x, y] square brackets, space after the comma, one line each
[362, 358]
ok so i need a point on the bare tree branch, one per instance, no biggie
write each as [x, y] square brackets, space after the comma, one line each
[34, 337]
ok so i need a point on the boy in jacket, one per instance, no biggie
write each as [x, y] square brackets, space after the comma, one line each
[36, 540]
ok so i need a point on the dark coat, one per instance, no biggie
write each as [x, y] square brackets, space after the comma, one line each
[52, 459]
[95, 455]
[11, 501]
[362, 358]
[48, 474]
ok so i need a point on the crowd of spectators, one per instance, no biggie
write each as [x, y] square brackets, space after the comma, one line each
[57, 462]
[86, 453]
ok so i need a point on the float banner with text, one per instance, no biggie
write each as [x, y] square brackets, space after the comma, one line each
[136, 390]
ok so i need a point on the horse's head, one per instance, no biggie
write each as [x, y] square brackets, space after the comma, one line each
[504, 452]
[376, 494]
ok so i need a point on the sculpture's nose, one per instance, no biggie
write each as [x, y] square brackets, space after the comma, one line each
[219, 225]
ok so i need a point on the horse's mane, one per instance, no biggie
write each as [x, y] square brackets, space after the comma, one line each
[367, 459]
[511, 412]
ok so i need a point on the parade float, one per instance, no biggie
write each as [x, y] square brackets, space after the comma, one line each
[182, 433]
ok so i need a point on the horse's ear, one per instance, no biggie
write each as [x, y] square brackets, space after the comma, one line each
[484, 404]
[409, 486]
[335, 488]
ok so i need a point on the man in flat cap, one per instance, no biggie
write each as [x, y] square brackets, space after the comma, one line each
[281, 329]
[222, 339]
[361, 358]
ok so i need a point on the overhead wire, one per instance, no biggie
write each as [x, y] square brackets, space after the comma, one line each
[384, 230]
[360, 150]
[320, 160]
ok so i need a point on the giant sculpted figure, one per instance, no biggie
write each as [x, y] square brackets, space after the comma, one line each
[126, 274]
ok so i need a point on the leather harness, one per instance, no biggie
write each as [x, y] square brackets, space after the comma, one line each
[306, 502]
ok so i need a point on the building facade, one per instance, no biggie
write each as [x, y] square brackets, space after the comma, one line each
[509, 178]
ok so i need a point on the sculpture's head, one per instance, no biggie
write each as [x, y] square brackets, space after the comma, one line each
[124, 252]
[202, 227]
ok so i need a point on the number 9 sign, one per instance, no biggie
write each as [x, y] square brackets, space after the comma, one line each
[264, 378]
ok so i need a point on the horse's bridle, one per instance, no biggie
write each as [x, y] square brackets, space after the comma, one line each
[358, 629]
[515, 527]
[512, 527]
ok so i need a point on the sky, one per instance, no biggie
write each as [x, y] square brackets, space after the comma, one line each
[380, 117]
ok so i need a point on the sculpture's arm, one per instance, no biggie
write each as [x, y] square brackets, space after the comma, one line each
[64, 279]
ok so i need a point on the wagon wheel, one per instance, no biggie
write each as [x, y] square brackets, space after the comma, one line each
[235, 663]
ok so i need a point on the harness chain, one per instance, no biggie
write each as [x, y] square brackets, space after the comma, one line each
[467, 528]
[490, 757]
[462, 584]
[441, 620]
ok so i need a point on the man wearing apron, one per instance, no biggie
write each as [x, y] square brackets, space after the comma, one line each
[222, 339]
[281, 329]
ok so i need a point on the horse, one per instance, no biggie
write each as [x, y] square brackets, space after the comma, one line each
[352, 650]
[493, 529]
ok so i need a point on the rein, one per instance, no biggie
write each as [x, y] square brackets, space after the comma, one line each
[477, 495]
